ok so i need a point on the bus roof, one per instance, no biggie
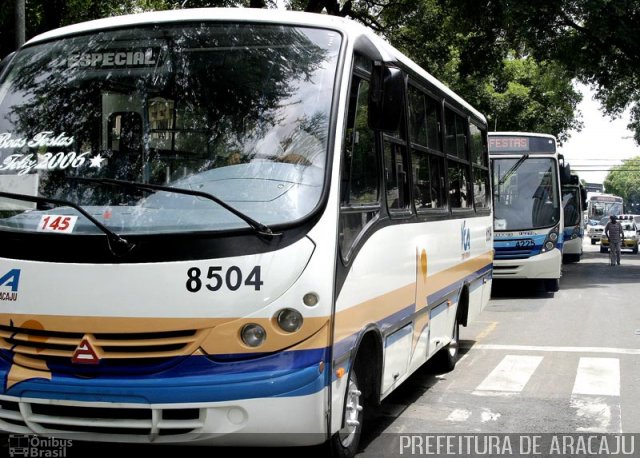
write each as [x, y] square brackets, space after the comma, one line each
[605, 197]
[346, 26]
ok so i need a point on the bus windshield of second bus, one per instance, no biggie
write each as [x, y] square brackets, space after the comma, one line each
[525, 193]
[574, 203]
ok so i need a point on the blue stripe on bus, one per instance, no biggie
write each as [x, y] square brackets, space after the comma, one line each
[454, 287]
[347, 344]
[505, 248]
[194, 379]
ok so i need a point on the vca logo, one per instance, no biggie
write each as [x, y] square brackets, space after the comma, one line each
[465, 240]
[9, 285]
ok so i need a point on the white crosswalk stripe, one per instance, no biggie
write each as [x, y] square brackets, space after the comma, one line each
[510, 376]
[596, 395]
[598, 376]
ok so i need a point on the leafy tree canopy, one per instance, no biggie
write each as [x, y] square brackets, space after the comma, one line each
[513, 59]
[624, 181]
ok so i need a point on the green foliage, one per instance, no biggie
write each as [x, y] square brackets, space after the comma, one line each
[528, 95]
[624, 181]
[512, 59]
[596, 41]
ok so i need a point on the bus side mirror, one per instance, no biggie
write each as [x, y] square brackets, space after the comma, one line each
[565, 171]
[386, 97]
[583, 197]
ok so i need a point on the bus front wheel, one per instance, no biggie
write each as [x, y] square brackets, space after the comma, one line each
[344, 444]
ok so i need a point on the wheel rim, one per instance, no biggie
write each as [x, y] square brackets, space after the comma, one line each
[453, 345]
[351, 413]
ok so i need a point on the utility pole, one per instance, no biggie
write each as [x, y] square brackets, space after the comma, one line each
[20, 22]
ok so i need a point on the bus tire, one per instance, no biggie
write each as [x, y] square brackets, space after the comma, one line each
[552, 284]
[448, 356]
[635, 249]
[344, 443]
[593, 241]
[603, 249]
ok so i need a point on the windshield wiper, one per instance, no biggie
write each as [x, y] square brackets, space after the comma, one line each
[513, 168]
[118, 246]
[259, 228]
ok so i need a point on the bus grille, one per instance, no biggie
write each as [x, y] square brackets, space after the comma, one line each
[516, 252]
[37, 344]
[104, 421]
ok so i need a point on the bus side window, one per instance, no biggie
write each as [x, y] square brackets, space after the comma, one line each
[426, 157]
[396, 170]
[360, 188]
[458, 161]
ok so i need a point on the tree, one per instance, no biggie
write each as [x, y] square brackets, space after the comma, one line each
[596, 41]
[472, 46]
[528, 95]
[624, 181]
[475, 56]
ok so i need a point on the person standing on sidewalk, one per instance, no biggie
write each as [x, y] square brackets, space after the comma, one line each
[613, 231]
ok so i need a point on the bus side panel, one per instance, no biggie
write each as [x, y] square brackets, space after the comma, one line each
[399, 278]
[378, 294]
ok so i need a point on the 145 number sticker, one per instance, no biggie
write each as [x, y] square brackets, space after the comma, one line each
[57, 223]
[217, 278]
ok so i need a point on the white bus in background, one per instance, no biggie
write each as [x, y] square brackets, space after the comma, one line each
[528, 213]
[235, 232]
[600, 205]
[599, 208]
[574, 203]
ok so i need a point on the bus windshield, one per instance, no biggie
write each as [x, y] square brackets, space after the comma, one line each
[237, 111]
[525, 193]
[570, 203]
[602, 206]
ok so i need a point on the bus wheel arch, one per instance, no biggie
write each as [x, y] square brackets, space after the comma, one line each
[447, 357]
[361, 396]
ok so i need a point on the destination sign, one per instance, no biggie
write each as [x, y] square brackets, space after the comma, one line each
[521, 144]
[509, 143]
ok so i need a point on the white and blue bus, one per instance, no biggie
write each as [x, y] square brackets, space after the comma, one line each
[230, 227]
[574, 204]
[528, 213]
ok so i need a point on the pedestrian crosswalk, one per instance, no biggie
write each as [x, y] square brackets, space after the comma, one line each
[516, 389]
[595, 397]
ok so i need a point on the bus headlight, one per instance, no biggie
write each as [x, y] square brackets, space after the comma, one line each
[253, 335]
[576, 232]
[550, 241]
[289, 320]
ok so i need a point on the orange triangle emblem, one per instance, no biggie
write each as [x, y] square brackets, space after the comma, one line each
[85, 354]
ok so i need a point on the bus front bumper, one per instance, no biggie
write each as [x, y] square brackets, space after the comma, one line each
[274, 406]
[542, 266]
